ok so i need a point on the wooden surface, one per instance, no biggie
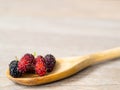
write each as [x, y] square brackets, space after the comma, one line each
[63, 28]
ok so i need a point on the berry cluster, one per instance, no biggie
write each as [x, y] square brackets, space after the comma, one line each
[29, 64]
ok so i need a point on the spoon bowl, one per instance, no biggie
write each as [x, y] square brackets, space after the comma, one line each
[66, 67]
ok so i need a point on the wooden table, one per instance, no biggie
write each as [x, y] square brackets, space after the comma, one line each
[63, 28]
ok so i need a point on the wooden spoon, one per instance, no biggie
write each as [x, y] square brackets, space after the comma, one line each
[66, 67]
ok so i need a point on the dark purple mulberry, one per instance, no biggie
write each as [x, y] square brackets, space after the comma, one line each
[50, 62]
[13, 68]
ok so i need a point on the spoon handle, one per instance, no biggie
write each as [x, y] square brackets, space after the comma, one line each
[105, 55]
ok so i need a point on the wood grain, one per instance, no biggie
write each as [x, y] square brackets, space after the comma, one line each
[63, 28]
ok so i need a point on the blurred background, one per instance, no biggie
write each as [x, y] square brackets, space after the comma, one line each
[63, 28]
